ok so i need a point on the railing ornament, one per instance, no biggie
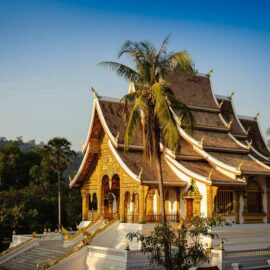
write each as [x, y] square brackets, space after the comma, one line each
[221, 246]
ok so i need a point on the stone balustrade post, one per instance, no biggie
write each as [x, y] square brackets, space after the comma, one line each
[217, 258]
[235, 266]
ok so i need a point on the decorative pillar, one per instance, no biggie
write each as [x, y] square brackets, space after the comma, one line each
[141, 205]
[99, 199]
[158, 202]
[84, 205]
[122, 205]
[211, 194]
[236, 206]
[178, 206]
[245, 206]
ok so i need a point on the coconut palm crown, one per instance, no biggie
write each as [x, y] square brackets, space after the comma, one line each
[154, 104]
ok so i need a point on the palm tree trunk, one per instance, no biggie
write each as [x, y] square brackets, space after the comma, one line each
[161, 189]
[167, 252]
[59, 201]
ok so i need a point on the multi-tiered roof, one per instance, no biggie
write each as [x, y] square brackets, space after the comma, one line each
[222, 150]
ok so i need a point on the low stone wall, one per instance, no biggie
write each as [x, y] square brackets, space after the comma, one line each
[74, 261]
[244, 259]
[115, 259]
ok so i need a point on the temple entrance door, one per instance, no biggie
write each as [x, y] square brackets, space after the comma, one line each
[111, 196]
[189, 205]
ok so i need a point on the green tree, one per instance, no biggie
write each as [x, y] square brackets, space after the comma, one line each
[154, 104]
[185, 246]
[59, 153]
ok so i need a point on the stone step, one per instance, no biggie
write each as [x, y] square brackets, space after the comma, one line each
[29, 259]
[48, 251]
[38, 252]
[14, 265]
[35, 258]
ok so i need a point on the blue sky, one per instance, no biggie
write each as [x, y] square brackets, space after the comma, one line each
[49, 52]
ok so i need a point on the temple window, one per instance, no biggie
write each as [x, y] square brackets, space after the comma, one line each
[224, 202]
[88, 201]
[254, 198]
[93, 205]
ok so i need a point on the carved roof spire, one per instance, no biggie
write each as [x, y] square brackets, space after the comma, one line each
[131, 88]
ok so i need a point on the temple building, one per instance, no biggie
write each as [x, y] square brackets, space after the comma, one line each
[223, 167]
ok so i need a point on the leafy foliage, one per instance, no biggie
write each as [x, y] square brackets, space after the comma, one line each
[154, 105]
[184, 243]
[28, 190]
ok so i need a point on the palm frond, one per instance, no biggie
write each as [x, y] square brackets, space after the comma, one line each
[134, 120]
[182, 112]
[131, 97]
[122, 70]
[163, 47]
[181, 60]
[165, 118]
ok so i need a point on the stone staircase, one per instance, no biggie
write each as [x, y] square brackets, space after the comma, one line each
[28, 260]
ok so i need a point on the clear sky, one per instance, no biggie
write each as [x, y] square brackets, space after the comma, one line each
[49, 52]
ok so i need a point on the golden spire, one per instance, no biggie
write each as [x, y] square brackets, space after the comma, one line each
[131, 87]
[257, 115]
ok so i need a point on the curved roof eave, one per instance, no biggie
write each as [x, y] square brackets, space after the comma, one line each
[76, 177]
[181, 171]
[97, 109]
[259, 162]
[85, 145]
[259, 128]
[199, 149]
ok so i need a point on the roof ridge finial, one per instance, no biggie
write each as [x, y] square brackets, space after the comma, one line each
[140, 174]
[220, 104]
[117, 137]
[230, 123]
[202, 139]
[231, 95]
[257, 115]
[247, 130]
[131, 87]
[94, 91]
[240, 165]
[209, 73]
[210, 174]
[249, 144]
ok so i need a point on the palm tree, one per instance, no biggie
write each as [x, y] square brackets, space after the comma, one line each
[59, 153]
[154, 104]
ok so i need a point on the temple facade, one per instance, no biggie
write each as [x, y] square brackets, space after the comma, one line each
[223, 167]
